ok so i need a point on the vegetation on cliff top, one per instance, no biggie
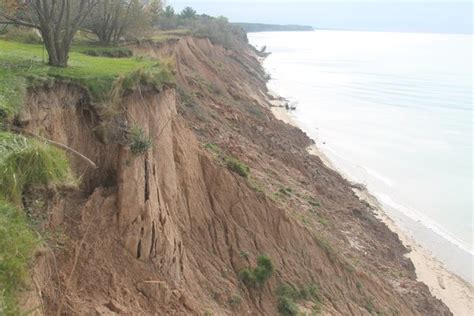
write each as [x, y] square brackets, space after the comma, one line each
[22, 66]
[25, 162]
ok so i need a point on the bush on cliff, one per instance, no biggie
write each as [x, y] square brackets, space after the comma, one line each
[257, 276]
[288, 295]
[140, 143]
[237, 166]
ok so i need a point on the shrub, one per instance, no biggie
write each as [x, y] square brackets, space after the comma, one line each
[288, 295]
[287, 306]
[248, 277]
[111, 52]
[237, 166]
[17, 243]
[255, 277]
[264, 269]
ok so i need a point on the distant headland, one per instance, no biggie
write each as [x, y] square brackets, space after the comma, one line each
[259, 27]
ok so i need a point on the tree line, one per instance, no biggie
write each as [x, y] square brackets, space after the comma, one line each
[58, 21]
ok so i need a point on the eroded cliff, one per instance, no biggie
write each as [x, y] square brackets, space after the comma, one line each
[169, 231]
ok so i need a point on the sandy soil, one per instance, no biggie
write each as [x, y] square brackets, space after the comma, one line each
[456, 293]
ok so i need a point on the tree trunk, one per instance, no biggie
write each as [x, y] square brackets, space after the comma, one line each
[57, 55]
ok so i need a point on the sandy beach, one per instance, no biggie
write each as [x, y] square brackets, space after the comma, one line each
[456, 293]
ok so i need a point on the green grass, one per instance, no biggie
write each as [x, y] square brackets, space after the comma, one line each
[21, 65]
[25, 162]
[17, 243]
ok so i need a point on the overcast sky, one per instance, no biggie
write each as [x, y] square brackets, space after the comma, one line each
[377, 15]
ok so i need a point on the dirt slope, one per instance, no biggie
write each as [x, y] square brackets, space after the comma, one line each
[168, 232]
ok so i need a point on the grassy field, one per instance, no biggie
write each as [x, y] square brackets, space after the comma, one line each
[23, 64]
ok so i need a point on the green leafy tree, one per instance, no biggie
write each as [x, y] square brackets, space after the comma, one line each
[188, 13]
[168, 12]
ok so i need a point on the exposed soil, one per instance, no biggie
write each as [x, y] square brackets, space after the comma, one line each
[168, 232]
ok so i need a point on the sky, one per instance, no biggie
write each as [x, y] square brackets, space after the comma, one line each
[441, 16]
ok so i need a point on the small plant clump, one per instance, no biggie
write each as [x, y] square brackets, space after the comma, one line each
[326, 246]
[313, 202]
[256, 277]
[235, 301]
[285, 191]
[287, 306]
[213, 148]
[237, 166]
[232, 163]
[139, 142]
[288, 295]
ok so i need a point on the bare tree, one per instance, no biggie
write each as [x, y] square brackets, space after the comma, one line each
[114, 19]
[109, 20]
[57, 21]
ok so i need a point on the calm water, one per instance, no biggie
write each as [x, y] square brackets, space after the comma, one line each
[393, 111]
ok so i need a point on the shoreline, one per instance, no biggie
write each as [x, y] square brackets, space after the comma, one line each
[443, 284]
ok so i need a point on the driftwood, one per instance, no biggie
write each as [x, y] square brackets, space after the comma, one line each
[53, 143]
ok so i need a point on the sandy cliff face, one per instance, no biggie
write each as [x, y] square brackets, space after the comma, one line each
[169, 231]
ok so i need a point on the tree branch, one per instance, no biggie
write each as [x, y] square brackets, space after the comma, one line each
[53, 143]
[13, 20]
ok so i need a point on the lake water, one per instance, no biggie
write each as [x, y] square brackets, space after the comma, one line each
[393, 111]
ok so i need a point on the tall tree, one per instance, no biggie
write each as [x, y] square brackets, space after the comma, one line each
[188, 13]
[57, 21]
